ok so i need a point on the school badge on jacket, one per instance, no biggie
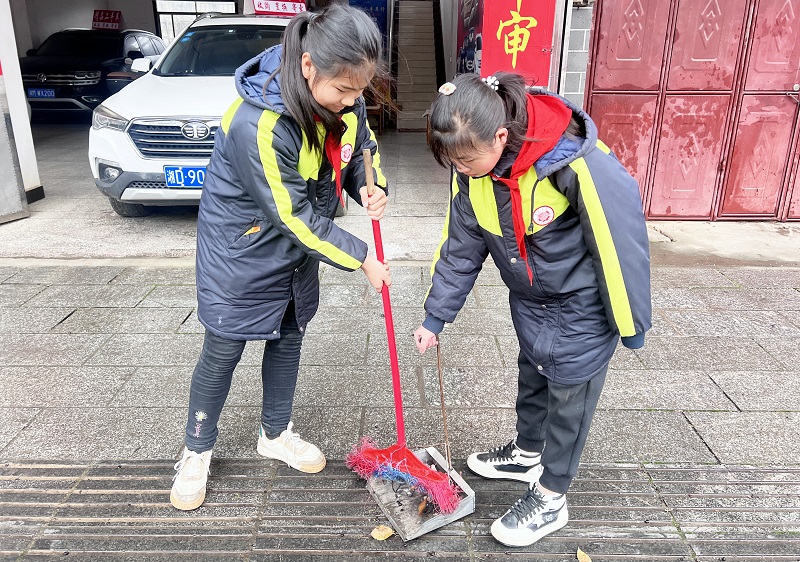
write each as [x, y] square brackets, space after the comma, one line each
[347, 153]
[544, 215]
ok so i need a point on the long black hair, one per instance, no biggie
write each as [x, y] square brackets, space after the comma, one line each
[339, 39]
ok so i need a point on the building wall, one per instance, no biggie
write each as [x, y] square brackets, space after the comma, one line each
[573, 74]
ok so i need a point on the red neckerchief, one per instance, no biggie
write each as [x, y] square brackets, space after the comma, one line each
[333, 151]
[548, 118]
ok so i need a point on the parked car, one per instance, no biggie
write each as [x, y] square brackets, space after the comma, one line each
[69, 70]
[150, 143]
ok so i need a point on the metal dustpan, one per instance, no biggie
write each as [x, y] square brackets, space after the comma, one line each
[405, 507]
[409, 486]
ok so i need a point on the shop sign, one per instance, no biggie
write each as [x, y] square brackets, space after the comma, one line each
[107, 19]
[275, 8]
[518, 37]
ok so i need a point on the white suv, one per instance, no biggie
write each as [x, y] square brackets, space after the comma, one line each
[150, 143]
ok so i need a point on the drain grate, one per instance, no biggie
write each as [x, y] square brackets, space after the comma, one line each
[258, 510]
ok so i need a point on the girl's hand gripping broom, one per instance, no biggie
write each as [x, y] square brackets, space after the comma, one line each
[397, 462]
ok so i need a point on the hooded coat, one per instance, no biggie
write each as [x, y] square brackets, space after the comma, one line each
[267, 207]
[586, 279]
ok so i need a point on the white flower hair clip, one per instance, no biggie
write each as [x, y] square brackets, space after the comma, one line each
[492, 82]
[447, 88]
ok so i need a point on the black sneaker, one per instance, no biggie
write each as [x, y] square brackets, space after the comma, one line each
[532, 517]
[507, 461]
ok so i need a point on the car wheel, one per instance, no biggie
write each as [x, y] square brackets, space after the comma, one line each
[341, 210]
[129, 209]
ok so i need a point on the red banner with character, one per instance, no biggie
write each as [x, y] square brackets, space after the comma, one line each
[518, 37]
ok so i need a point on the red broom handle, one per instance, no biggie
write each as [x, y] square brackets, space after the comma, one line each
[387, 310]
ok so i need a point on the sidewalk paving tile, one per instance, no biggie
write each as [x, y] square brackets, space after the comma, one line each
[690, 277]
[645, 436]
[751, 299]
[749, 437]
[149, 350]
[17, 295]
[760, 390]
[705, 352]
[60, 275]
[122, 320]
[471, 386]
[666, 390]
[21, 321]
[61, 387]
[763, 277]
[12, 421]
[90, 296]
[48, 349]
[156, 276]
[97, 433]
[171, 296]
[785, 350]
[756, 323]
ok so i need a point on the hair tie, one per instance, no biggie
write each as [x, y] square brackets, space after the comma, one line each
[492, 82]
[447, 88]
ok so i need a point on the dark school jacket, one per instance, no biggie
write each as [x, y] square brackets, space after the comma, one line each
[267, 208]
[587, 246]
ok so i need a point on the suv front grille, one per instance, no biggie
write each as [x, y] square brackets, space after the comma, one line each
[164, 139]
[68, 79]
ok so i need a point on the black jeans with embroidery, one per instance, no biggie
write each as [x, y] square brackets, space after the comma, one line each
[213, 374]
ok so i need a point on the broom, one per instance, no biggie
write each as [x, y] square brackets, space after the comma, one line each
[398, 463]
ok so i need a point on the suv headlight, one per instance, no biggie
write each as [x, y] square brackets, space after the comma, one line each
[102, 117]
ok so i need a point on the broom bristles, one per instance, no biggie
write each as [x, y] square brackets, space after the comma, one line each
[399, 464]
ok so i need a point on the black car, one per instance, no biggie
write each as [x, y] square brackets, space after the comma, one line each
[69, 70]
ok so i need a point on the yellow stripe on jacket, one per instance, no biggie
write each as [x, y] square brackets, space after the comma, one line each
[283, 199]
[612, 271]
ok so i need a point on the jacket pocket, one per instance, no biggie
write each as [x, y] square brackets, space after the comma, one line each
[246, 236]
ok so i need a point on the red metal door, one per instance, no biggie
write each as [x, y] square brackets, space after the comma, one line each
[712, 78]
[707, 39]
[760, 166]
[760, 156]
[628, 122]
[688, 157]
[793, 199]
[775, 54]
[632, 35]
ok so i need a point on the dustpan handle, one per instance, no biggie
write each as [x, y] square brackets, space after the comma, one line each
[387, 310]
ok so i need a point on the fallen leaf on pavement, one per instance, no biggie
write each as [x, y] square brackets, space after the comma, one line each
[583, 557]
[382, 532]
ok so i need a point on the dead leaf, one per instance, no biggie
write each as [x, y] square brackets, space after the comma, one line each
[382, 532]
[583, 557]
[422, 505]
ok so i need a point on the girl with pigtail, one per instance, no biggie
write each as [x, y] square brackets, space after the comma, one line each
[536, 189]
[286, 153]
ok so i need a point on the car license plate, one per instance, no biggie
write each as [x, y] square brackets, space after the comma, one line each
[185, 176]
[41, 93]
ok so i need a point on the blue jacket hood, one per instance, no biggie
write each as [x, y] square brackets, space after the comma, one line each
[252, 75]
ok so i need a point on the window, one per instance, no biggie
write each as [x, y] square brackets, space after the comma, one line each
[131, 45]
[217, 50]
[148, 49]
[173, 16]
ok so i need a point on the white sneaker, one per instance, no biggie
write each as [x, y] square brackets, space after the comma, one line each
[532, 517]
[189, 482]
[508, 462]
[289, 448]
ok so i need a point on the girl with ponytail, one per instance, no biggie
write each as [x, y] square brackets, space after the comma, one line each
[286, 154]
[536, 189]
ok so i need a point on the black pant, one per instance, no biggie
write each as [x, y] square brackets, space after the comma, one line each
[213, 374]
[554, 419]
